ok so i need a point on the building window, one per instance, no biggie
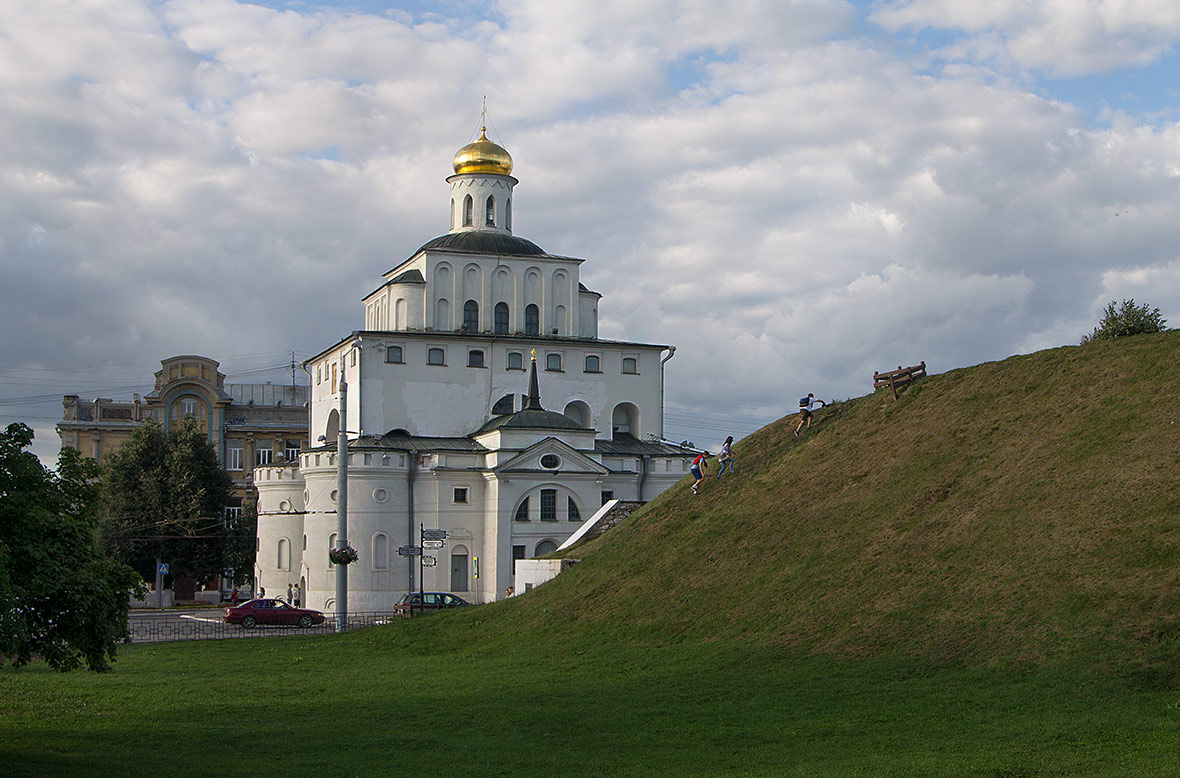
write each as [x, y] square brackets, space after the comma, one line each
[393, 355]
[461, 495]
[233, 515]
[518, 553]
[262, 453]
[630, 365]
[233, 455]
[490, 215]
[515, 360]
[574, 513]
[331, 545]
[333, 378]
[550, 461]
[532, 320]
[553, 363]
[545, 547]
[548, 505]
[318, 374]
[380, 551]
[468, 207]
[500, 312]
[475, 359]
[188, 407]
[593, 364]
[607, 496]
[284, 560]
[522, 512]
[471, 316]
[436, 356]
[292, 449]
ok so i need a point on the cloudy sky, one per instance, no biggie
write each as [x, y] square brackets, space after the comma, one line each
[794, 192]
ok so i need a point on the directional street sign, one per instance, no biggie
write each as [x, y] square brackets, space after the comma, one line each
[429, 561]
[433, 543]
[434, 534]
[410, 551]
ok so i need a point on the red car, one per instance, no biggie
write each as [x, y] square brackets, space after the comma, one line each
[277, 612]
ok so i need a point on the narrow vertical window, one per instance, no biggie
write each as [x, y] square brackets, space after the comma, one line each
[468, 206]
[471, 316]
[522, 512]
[501, 318]
[574, 514]
[532, 320]
[548, 505]
[490, 215]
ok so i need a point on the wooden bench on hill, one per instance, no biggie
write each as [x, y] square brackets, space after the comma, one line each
[902, 376]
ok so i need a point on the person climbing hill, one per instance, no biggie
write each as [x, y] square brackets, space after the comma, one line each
[699, 465]
[806, 406]
[726, 457]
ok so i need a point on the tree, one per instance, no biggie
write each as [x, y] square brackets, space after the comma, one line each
[1128, 319]
[61, 598]
[164, 497]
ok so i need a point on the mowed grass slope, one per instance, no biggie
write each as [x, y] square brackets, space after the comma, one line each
[1011, 513]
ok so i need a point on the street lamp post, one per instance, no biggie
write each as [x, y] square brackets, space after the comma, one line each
[342, 507]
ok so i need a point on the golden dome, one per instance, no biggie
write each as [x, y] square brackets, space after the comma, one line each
[482, 156]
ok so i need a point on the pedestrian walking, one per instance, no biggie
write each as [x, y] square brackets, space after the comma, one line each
[233, 596]
[298, 596]
[699, 465]
[806, 406]
[290, 595]
[726, 457]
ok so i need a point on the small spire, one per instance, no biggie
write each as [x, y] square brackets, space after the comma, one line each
[534, 399]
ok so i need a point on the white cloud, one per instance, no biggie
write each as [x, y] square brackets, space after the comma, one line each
[792, 206]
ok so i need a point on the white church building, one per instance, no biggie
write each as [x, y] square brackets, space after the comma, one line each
[480, 401]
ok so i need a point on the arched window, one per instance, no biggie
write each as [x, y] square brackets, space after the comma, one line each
[284, 560]
[580, 412]
[574, 513]
[522, 512]
[508, 214]
[553, 362]
[545, 547]
[380, 551]
[593, 364]
[490, 216]
[434, 356]
[532, 320]
[475, 358]
[471, 316]
[393, 354]
[452, 214]
[331, 545]
[333, 429]
[625, 420]
[630, 365]
[501, 318]
[468, 206]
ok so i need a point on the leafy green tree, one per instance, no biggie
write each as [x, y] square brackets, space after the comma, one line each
[164, 498]
[61, 598]
[1127, 319]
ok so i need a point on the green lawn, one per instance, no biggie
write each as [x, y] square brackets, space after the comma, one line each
[379, 703]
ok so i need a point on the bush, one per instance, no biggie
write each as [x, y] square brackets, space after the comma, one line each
[1128, 319]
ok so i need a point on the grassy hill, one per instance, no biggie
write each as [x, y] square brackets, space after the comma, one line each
[978, 579]
[1011, 513]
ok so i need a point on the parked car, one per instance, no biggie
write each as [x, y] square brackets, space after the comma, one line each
[276, 612]
[427, 601]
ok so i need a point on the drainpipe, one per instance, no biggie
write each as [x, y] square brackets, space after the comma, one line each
[644, 466]
[671, 353]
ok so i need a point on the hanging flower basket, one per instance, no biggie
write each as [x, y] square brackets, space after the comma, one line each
[343, 556]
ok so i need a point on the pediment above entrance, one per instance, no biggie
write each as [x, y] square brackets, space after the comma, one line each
[551, 455]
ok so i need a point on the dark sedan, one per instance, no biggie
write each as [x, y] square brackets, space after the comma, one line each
[271, 612]
[427, 601]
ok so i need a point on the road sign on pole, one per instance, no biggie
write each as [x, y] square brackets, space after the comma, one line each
[429, 561]
[434, 534]
[410, 551]
[433, 543]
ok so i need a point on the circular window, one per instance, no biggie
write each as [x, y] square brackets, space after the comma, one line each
[551, 461]
[305, 496]
[285, 506]
[332, 496]
[380, 495]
